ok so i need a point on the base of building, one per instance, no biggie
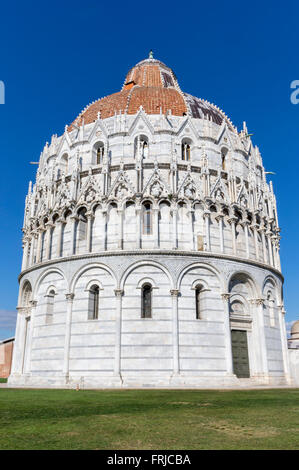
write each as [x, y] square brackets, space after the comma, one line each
[136, 382]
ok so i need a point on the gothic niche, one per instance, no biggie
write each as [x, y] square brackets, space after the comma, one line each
[156, 189]
[189, 191]
[219, 195]
[243, 201]
[90, 194]
[121, 191]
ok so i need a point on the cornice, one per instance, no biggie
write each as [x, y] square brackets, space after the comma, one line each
[168, 253]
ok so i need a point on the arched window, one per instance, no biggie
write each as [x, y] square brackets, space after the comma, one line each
[223, 157]
[141, 146]
[50, 306]
[186, 150]
[26, 294]
[147, 218]
[146, 301]
[93, 308]
[198, 292]
[64, 164]
[81, 230]
[100, 153]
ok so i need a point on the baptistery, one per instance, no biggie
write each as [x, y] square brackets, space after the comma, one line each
[150, 249]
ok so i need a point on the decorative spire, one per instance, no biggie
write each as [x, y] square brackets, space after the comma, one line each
[151, 54]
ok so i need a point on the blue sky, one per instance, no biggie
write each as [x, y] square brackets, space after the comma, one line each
[56, 57]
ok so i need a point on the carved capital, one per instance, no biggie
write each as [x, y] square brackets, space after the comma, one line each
[119, 292]
[33, 303]
[174, 292]
[22, 310]
[219, 217]
[70, 297]
[233, 220]
[257, 301]
[226, 296]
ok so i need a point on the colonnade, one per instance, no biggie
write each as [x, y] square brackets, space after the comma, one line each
[40, 244]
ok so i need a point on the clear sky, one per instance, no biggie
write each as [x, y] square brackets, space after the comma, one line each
[56, 57]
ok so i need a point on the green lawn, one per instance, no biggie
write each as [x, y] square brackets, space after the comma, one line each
[149, 419]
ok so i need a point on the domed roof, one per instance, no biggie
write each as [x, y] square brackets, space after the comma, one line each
[154, 86]
[295, 330]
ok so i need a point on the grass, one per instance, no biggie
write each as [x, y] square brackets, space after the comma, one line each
[3, 381]
[149, 419]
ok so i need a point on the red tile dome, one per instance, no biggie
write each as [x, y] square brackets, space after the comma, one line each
[154, 86]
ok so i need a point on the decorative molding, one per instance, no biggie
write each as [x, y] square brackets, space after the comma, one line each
[70, 297]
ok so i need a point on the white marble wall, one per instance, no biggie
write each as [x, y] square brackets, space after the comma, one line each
[121, 348]
[84, 224]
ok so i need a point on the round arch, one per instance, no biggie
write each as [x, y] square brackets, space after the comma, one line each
[85, 268]
[127, 200]
[200, 265]
[25, 293]
[95, 205]
[254, 286]
[148, 263]
[44, 274]
[270, 279]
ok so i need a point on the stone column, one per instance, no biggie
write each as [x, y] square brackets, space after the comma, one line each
[175, 331]
[277, 254]
[192, 247]
[284, 344]
[25, 253]
[32, 249]
[175, 228]
[219, 218]
[138, 212]
[48, 240]
[119, 293]
[27, 367]
[59, 237]
[261, 333]
[121, 228]
[262, 231]
[206, 216]
[156, 227]
[39, 245]
[245, 225]
[275, 245]
[67, 338]
[104, 242]
[90, 218]
[19, 345]
[256, 242]
[227, 332]
[233, 221]
[73, 235]
[270, 247]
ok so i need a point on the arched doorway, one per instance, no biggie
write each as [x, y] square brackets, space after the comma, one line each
[240, 289]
